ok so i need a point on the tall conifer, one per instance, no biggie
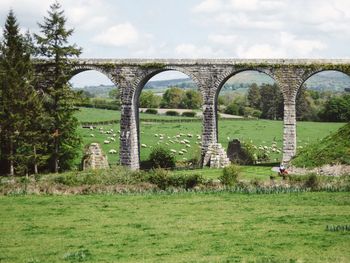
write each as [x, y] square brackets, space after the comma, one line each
[53, 44]
[21, 108]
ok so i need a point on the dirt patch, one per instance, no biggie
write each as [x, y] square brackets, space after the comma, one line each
[328, 170]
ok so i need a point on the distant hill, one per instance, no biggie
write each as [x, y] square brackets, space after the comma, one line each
[324, 81]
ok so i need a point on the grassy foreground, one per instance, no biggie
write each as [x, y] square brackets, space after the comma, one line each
[221, 227]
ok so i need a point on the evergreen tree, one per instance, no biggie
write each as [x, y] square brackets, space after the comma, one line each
[21, 108]
[254, 97]
[53, 44]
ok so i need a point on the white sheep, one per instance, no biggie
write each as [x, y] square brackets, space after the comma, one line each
[91, 127]
[188, 146]
[106, 142]
[173, 151]
[143, 145]
[186, 141]
[156, 135]
[112, 139]
[189, 135]
[112, 151]
[92, 135]
[184, 150]
[181, 153]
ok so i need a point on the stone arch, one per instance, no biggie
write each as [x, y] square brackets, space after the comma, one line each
[139, 84]
[221, 80]
[226, 76]
[140, 81]
[308, 75]
[82, 68]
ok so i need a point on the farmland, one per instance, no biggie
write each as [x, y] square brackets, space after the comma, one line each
[260, 132]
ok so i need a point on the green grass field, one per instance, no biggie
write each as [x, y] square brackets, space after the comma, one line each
[189, 227]
[261, 132]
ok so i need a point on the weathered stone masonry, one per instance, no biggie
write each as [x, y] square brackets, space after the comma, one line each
[130, 75]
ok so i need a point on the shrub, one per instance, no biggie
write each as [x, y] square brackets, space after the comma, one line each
[159, 177]
[151, 111]
[312, 181]
[189, 114]
[161, 158]
[230, 175]
[171, 113]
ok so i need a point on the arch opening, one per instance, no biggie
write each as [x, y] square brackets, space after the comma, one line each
[322, 105]
[168, 115]
[98, 112]
[250, 107]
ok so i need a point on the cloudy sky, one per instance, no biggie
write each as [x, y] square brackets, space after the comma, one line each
[199, 28]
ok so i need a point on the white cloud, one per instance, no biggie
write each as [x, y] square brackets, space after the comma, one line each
[260, 51]
[286, 46]
[187, 50]
[303, 47]
[223, 39]
[208, 6]
[118, 35]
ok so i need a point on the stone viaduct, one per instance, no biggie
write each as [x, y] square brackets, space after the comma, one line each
[130, 75]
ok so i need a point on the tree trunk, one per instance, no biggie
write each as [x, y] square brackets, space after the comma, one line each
[56, 157]
[12, 168]
[35, 163]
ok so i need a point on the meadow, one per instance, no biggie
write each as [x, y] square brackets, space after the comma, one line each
[187, 227]
[258, 132]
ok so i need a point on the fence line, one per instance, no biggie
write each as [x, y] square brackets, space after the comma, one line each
[92, 123]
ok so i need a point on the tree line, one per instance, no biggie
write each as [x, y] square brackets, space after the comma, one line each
[266, 102]
[38, 130]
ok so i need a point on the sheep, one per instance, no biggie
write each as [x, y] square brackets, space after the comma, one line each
[156, 135]
[184, 150]
[181, 153]
[114, 135]
[106, 142]
[186, 141]
[171, 141]
[178, 136]
[182, 142]
[161, 138]
[92, 135]
[189, 135]
[112, 139]
[187, 145]
[172, 150]
[143, 145]
[112, 151]
[108, 132]
[91, 128]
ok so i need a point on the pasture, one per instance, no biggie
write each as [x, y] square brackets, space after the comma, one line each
[259, 132]
[187, 227]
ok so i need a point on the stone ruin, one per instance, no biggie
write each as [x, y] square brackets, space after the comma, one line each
[237, 154]
[215, 156]
[94, 158]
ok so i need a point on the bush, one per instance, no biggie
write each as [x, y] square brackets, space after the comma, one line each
[312, 182]
[151, 111]
[171, 113]
[159, 177]
[164, 179]
[189, 114]
[161, 158]
[230, 175]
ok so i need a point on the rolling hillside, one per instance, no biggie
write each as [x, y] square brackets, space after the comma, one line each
[325, 81]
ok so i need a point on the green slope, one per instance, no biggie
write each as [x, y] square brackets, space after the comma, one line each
[332, 149]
